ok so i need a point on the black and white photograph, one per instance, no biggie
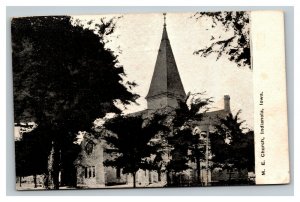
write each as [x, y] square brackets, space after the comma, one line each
[133, 100]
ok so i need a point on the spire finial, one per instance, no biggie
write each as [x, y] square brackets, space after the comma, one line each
[165, 19]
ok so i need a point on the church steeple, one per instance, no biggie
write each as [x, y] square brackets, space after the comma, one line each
[165, 19]
[166, 86]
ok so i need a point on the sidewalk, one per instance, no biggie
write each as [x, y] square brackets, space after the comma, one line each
[26, 186]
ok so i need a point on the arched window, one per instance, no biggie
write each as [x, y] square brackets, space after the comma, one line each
[89, 147]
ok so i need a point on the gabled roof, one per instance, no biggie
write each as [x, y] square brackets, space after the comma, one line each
[166, 79]
[213, 117]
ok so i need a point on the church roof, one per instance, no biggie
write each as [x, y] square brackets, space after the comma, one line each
[213, 117]
[166, 79]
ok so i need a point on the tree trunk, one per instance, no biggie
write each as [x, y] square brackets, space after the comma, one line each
[49, 178]
[198, 170]
[168, 178]
[133, 174]
[229, 180]
[20, 178]
[34, 181]
[159, 175]
[52, 178]
[149, 176]
[180, 180]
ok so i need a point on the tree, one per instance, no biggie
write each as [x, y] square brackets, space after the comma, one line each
[156, 161]
[180, 142]
[130, 141]
[31, 154]
[187, 116]
[191, 110]
[237, 46]
[230, 146]
[64, 78]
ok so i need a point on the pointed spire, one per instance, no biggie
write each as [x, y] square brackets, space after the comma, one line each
[165, 34]
[165, 19]
[166, 83]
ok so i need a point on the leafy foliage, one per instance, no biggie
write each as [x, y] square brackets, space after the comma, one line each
[231, 147]
[236, 47]
[31, 154]
[130, 141]
[64, 78]
[188, 115]
[181, 142]
[63, 73]
[191, 109]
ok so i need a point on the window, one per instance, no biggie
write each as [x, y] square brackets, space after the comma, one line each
[94, 171]
[89, 147]
[90, 172]
[118, 173]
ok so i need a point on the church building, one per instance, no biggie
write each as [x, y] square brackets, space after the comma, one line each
[165, 90]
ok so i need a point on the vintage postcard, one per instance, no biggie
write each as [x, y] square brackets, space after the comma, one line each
[150, 100]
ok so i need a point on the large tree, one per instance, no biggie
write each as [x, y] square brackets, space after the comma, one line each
[236, 46]
[180, 142]
[231, 146]
[130, 141]
[64, 77]
[187, 116]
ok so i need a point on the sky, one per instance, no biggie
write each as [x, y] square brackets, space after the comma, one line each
[136, 40]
